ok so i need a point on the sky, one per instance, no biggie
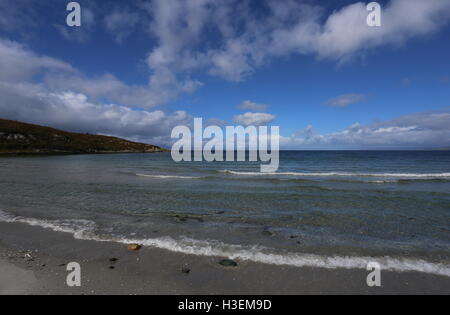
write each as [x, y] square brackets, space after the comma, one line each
[136, 69]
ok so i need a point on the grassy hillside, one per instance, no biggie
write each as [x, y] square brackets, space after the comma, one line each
[22, 138]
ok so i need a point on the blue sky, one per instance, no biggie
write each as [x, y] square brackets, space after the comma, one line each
[314, 68]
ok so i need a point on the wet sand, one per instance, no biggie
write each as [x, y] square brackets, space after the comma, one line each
[34, 260]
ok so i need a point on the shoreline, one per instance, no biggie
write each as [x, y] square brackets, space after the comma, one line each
[37, 259]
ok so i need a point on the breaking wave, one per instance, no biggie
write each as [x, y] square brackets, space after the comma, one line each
[84, 229]
[345, 174]
[78, 228]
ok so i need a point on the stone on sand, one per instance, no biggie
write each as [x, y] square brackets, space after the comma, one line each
[228, 263]
[134, 247]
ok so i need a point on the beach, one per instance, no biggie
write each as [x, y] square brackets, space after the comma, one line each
[311, 228]
[33, 260]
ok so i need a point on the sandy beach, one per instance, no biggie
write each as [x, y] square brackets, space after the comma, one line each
[33, 260]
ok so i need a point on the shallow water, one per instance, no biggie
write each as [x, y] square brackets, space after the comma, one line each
[336, 204]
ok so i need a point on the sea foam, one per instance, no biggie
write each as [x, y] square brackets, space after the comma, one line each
[84, 229]
[344, 174]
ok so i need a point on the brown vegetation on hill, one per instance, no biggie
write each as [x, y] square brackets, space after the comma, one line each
[22, 138]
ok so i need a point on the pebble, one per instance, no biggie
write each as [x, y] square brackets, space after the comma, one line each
[228, 263]
[134, 247]
[185, 270]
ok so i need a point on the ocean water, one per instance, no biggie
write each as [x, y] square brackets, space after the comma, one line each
[326, 209]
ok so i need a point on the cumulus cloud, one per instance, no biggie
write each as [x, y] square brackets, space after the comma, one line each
[43, 90]
[254, 119]
[420, 130]
[347, 100]
[18, 64]
[231, 40]
[249, 105]
[226, 38]
[74, 112]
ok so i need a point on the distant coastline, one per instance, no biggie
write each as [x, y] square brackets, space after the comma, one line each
[17, 138]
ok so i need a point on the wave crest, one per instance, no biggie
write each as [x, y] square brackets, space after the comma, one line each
[345, 174]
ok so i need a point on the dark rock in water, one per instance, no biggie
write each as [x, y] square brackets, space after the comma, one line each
[228, 263]
[267, 233]
[62, 265]
[113, 260]
[299, 243]
[189, 217]
[221, 212]
[293, 237]
[111, 267]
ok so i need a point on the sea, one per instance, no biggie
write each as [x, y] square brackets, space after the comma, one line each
[326, 209]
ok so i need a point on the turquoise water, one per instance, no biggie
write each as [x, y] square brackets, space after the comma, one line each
[355, 204]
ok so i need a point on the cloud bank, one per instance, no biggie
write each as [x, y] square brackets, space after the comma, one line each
[420, 130]
[53, 100]
[227, 39]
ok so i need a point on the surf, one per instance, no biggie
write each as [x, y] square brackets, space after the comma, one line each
[343, 174]
[85, 230]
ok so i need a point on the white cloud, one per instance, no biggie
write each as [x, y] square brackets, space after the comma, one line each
[64, 98]
[74, 112]
[254, 119]
[18, 64]
[345, 32]
[347, 99]
[229, 40]
[249, 105]
[421, 130]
